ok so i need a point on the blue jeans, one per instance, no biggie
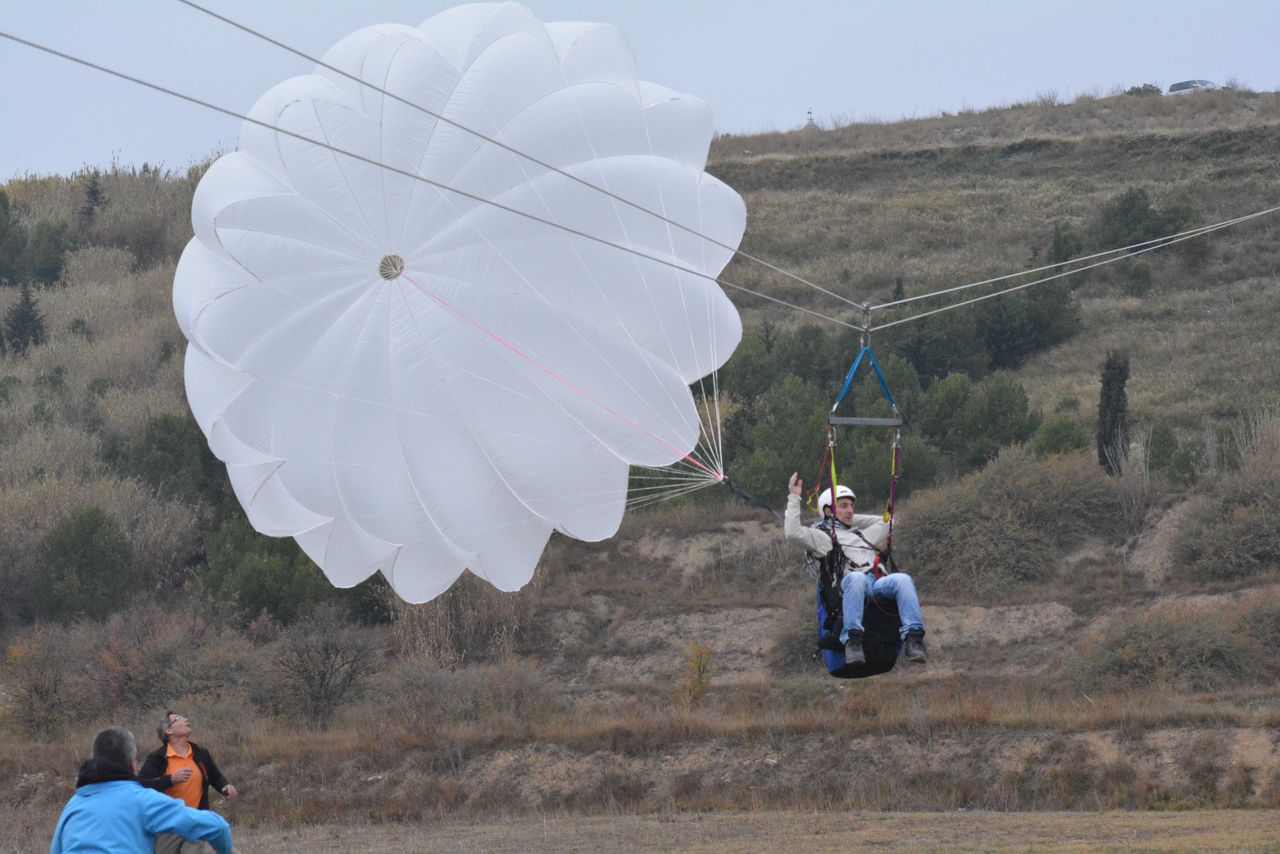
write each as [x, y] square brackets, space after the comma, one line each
[896, 587]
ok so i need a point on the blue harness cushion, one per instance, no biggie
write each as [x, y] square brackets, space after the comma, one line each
[880, 638]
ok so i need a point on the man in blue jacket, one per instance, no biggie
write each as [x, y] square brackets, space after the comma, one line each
[111, 811]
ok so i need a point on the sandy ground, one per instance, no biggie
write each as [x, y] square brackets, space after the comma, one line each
[1222, 830]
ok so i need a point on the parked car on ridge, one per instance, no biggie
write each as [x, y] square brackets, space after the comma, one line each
[1191, 86]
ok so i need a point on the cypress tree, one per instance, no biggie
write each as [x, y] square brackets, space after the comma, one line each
[23, 323]
[899, 289]
[1113, 412]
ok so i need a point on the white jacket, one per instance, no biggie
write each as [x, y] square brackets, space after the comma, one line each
[860, 555]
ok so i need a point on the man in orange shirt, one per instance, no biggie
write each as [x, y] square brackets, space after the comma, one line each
[184, 770]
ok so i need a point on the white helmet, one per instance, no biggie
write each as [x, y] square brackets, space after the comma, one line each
[824, 500]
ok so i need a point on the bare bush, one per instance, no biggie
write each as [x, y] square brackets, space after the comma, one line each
[694, 679]
[44, 669]
[1240, 538]
[793, 648]
[95, 265]
[425, 698]
[323, 661]
[469, 622]
[1135, 492]
[58, 452]
[1176, 643]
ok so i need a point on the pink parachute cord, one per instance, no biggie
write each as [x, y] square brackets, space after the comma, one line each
[564, 382]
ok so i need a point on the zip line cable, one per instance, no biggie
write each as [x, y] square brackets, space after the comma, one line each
[498, 143]
[411, 175]
[1192, 232]
[1155, 243]
[1166, 242]
[708, 475]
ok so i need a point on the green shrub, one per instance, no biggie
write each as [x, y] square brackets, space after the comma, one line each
[866, 464]
[1175, 644]
[86, 567]
[1162, 444]
[172, 456]
[971, 423]
[1131, 217]
[782, 433]
[1065, 244]
[1059, 435]
[47, 251]
[263, 574]
[1005, 524]
[1136, 277]
[939, 346]
[13, 244]
[1146, 90]
[1187, 462]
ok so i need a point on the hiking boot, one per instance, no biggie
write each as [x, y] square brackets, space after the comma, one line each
[913, 647]
[853, 653]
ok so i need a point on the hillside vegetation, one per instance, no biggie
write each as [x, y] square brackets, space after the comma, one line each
[1097, 640]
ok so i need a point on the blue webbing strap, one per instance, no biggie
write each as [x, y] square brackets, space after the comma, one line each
[848, 380]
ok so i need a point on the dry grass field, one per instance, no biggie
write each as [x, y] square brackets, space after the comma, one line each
[742, 833]
[746, 832]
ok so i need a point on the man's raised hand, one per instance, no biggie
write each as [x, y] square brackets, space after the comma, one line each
[796, 485]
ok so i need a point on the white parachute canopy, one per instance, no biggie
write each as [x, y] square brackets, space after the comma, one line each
[411, 381]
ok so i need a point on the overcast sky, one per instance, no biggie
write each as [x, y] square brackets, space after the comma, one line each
[760, 63]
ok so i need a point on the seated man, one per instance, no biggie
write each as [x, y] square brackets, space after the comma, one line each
[858, 537]
[112, 812]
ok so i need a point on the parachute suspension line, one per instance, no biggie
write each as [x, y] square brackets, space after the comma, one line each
[1153, 243]
[894, 421]
[208, 105]
[1159, 244]
[703, 449]
[498, 143]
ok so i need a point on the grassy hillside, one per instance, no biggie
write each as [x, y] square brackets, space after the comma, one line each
[1095, 642]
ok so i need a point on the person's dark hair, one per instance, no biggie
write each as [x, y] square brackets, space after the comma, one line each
[163, 729]
[115, 744]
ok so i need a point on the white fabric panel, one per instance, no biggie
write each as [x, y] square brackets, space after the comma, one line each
[594, 53]
[680, 126]
[450, 419]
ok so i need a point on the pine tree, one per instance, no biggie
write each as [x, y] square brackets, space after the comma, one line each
[94, 199]
[23, 323]
[899, 289]
[1113, 412]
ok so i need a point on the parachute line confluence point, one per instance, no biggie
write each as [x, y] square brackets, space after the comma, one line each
[391, 267]
[499, 143]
